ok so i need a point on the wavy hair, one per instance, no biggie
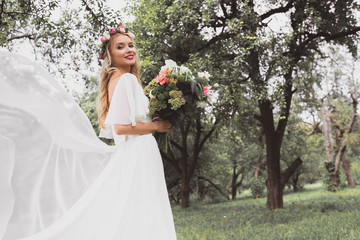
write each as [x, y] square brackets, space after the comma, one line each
[106, 72]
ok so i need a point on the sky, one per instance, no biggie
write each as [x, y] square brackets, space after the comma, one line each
[116, 4]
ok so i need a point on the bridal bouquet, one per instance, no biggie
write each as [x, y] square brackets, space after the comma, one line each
[176, 89]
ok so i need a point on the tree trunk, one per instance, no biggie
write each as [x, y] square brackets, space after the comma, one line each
[274, 194]
[187, 162]
[260, 164]
[233, 183]
[273, 183]
[200, 189]
[295, 181]
[334, 179]
[185, 192]
[347, 171]
[329, 142]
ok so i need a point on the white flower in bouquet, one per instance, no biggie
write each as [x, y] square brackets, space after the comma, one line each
[205, 75]
[211, 96]
[184, 70]
[170, 64]
[201, 104]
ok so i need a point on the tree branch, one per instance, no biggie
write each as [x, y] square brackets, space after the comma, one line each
[339, 34]
[281, 9]
[197, 148]
[215, 39]
[95, 17]
[29, 36]
[208, 134]
[223, 9]
[171, 161]
[326, 37]
[289, 171]
[215, 186]
[176, 145]
[2, 11]
[240, 182]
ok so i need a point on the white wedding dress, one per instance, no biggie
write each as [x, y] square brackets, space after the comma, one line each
[58, 181]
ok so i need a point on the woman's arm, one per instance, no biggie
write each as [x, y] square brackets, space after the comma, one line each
[142, 128]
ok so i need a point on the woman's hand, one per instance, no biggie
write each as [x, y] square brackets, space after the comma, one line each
[162, 125]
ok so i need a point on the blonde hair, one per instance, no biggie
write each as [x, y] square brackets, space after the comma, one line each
[106, 72]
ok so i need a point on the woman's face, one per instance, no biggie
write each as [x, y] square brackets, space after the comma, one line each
[123, 52]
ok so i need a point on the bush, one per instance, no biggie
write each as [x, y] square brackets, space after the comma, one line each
[355, 170]
[257, 187]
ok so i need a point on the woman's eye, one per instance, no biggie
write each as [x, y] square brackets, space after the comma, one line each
[119, 47]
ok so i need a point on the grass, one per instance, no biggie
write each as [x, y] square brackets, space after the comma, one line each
[311, 214]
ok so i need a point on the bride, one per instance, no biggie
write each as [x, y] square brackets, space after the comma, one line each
[58, 181]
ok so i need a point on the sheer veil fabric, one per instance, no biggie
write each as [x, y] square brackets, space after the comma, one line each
[58, 181]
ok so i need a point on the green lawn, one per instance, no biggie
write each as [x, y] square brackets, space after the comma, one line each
[311, 214]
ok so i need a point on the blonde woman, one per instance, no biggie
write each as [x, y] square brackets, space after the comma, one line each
[57, 179]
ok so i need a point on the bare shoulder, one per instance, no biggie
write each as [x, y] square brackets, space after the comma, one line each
[112, 85]
[120, 78]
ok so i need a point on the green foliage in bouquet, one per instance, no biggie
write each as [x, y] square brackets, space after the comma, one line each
[176, 100]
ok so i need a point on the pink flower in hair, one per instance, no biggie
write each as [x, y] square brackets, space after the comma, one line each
[100, 57]
[112, 30]
[122, 26]
[122, 29]
[131, 35]
[103, 39]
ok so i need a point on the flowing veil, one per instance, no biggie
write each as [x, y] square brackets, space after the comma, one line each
[49, 152]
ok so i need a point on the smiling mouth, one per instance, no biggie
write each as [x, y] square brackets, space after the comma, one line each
[130, 57]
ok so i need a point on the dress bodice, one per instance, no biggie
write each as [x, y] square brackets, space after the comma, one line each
[128, 106]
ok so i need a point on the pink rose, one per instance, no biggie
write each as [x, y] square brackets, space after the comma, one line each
[100, 57]
[112, 30]
[103, 39]
[206, 91]
[122, 26]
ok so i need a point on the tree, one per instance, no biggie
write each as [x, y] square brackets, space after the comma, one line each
[236, 38]
[336, 131]
[311, 23]
[160, 35]
[187, 141]
[338, 113]
[230, 157]
[69, 40]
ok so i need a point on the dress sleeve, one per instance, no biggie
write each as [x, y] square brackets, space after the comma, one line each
[122, 108]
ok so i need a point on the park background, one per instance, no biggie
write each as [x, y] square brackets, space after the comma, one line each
[274, 154]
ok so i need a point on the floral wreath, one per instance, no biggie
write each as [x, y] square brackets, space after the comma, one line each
[105, 39]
